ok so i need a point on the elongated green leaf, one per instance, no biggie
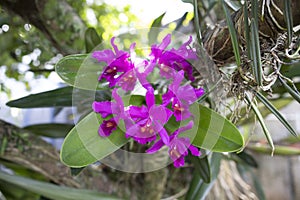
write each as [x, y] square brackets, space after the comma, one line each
[80, 71]
[247, 29]
[92, 39]
[294, 93]
[214, 132]
[247, 158]
[234, 5]
[233, 36]
[255, 53]
[83, 145]
[262, 123]
[277, 114]
[202, 167]
[197, 22]
[288, 16]
[50, 130]
[198, 188]
[155, 29]
[57, 97]
[53, 191]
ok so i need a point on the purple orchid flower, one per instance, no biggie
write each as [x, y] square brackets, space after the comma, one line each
[178, 147]
[119, 67]
[149, 120]
[181, 97]
[170, 61]
[107, 108]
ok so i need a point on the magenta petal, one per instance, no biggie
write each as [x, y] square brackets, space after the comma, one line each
[150, 98]
[104, 108]
[107, 127]
[164, 135]
[155, 147]
[160, 113]
[199, 92]
[179, 162]
[165, 42]
[194, 150]
[104, 56]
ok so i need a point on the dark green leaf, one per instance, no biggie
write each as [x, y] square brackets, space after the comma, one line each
[233, 36]
[255, 53]
[288, 16]
[202, 167]
[293, 92]
[198, 188]
[155, 29]
[277, 114]
[57, 97]
[52, 191]
[76, 171]
[197, 22]
[92, 39]
[180, 22]
[50, 130]
[247, 158]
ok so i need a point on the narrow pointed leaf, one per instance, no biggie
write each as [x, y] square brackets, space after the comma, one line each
[291, 91]
[52, 191]
[255, 53]
[262, 123]
[277, 114]
[202, 167]
[233, 36]
[83, 145]
[197, 22]
[247, 158]
[53, 130]
[288, 16]
[198, 188]
[57, 97]
[155, 29]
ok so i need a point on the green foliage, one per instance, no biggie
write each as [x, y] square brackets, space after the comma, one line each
[83, 145]
[52, 191]
[58, 97]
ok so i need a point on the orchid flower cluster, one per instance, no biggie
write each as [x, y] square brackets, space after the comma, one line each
[145, 123]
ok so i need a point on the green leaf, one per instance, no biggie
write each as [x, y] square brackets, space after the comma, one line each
[92, 39]
[288, 17]
[57, 97]
[255, 53]
[80, 71]
[277, 114]
[53, 130]
[198, 188]
[214, 132]
[76, 171]
[262, 123]
[293, 92]
[233, 36]
[247, 158]
[155, 29]
[202, 167]
[83, 145]
[197, 22]
[53, 191]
